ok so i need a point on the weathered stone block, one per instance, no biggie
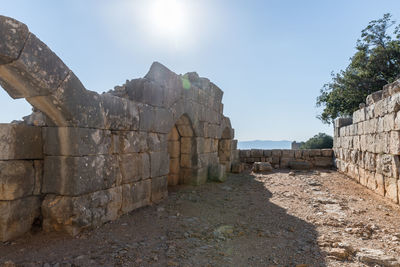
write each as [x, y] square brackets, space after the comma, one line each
[317, 152]
[217, 173]
[13, 35]
[388, 165]
[134, 142]
[394, 142]
[245, 153]
[186, 145]
[359, 115]
[157, 142]
[154, 119]
[391, 189]
[17, 179]
[186, 161]
[287, 153]
[325, 162]
[388, 122]
[380, 184]
[120, 113]
[174, 165]
[173, 179]
[135, 195]
[174, 149]
[135, 167]
[72, 105]
[276, 152]
[267, 153]
[17, 216]
[299, 165]
[73, 214]
[237, 167]
[173, 134]
[284, 162]
[159, 188]
[71, 141]
[18, 141]
[262, 167]
[36, 72]
[73, 176]
[326, 152]
[159, 164]
[298, 154]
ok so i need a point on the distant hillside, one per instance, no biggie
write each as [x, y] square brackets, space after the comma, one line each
[264, 144]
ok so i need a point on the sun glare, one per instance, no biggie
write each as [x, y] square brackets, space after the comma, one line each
[168, 18]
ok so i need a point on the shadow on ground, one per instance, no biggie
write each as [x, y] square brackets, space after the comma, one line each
[229, 224]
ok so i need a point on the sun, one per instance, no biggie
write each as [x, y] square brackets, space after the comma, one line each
[168, 18]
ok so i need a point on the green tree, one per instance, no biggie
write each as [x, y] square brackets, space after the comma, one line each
[375, 64]
[319, 141]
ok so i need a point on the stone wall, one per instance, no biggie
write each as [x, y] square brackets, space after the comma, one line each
[367, 146]
[21, 172]
[103, 155]
[288, 158]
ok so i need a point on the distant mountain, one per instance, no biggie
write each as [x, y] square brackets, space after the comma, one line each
[265, 144]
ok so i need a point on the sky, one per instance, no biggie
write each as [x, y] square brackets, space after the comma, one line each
[270, 57]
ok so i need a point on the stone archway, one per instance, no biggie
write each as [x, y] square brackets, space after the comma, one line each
[181, 150]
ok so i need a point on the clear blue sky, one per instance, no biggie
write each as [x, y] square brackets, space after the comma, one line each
[270, 58]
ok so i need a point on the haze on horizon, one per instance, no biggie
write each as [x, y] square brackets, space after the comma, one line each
[270, 58]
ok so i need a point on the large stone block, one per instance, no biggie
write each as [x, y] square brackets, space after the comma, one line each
[186, 161]
[135, 195]
[173, 134]
[135, 167]
[125, 142]
[71, 141]
[326, 152]
[380, 184]
[73, 176]
[300, 165]
[391, 189]
[388, 165]
[394, 142]
[217, 173]
[288, 153]
[74, 214]
[17, 179]
[359, 115]
[245, 153]
[36, 72]
[255, 153]
[174, 165]
[18, 141]
[159, 164]
[13, 35]
[154, 119]
[157, 142]
[17, 216]
[146, 91]
[72, 105]
[174, 149]
[389, 122]
[187, 144]
[120, 113]
[325, 162]
[159, 188]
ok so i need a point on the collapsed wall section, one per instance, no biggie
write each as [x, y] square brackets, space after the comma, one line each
[367, 146]
[104, 155]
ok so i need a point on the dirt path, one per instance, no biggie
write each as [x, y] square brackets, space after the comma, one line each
[309, 219]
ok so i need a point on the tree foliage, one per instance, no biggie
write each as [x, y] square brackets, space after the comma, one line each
[319, 141]
[375, 64]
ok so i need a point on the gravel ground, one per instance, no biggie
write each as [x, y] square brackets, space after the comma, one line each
[318, 218]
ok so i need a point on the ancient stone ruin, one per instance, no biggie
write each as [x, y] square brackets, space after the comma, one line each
[83, 158]
[367, 146]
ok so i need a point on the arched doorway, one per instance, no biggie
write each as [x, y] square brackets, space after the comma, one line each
[181, 144]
